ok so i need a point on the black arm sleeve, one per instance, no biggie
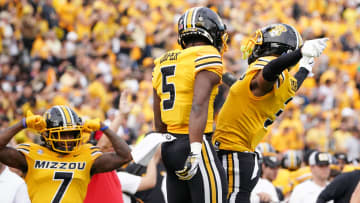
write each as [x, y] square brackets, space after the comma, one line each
[301, 76]
[272, 70]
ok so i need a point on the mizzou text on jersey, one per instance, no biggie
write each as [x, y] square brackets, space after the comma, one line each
[52, 177]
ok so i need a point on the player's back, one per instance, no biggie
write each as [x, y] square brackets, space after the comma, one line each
[173, 78]
[244, 117]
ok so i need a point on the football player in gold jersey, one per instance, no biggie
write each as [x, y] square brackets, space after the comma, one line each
[59, 170]
[258, 98]
[185, 85]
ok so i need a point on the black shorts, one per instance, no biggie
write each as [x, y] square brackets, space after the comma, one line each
[242, 172]
[207, 186]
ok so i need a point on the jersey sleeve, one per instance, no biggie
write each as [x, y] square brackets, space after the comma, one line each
[24, 148]
[155, 75]
[95, 152]
[208, 58]
[260, 63]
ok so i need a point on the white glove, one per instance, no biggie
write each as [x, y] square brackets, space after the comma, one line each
[314, 48]
[307, 63]
[192, 162]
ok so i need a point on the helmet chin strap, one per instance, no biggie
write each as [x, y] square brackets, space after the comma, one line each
[224, 39]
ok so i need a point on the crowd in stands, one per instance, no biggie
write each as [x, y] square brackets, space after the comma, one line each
[83, 53]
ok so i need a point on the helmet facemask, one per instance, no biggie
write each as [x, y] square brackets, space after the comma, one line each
[63, 139]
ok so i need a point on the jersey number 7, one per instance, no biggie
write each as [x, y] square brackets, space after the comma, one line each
[66, 178]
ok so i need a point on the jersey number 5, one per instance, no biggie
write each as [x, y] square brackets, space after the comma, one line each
[168, 71]
[66, 178]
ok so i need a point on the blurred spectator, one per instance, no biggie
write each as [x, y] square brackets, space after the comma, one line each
[49, 14]
[309, 190]
[341, 159]
[29, 29]
[353, 144]
[347, 42]
[13, 188]
[264, 190]
[296, 10]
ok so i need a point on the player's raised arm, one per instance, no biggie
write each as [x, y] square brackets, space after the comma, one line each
[11, 156]
[110, 160]
[274, 49]
[264, 81]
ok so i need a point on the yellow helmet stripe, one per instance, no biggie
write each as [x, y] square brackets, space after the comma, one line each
[189, 17]
[194, 16]
[71, 115]
[67, 115]
[292, 164]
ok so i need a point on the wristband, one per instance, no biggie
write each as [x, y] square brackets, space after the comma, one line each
[195, 147]
[104, 128]
[24, 122]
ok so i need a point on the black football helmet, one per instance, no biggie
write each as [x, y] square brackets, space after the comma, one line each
[64, 129]
[264, 148]
[291, 160]
[272, 40]
[204, 22]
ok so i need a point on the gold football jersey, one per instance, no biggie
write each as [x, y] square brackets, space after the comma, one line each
[53, 177]
[300, 175]
[283, 181]
[173, 78]
[243, 120]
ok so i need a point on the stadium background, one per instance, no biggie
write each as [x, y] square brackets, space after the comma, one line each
[83, 53]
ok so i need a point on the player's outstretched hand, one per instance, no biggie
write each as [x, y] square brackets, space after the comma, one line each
[314, 48]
